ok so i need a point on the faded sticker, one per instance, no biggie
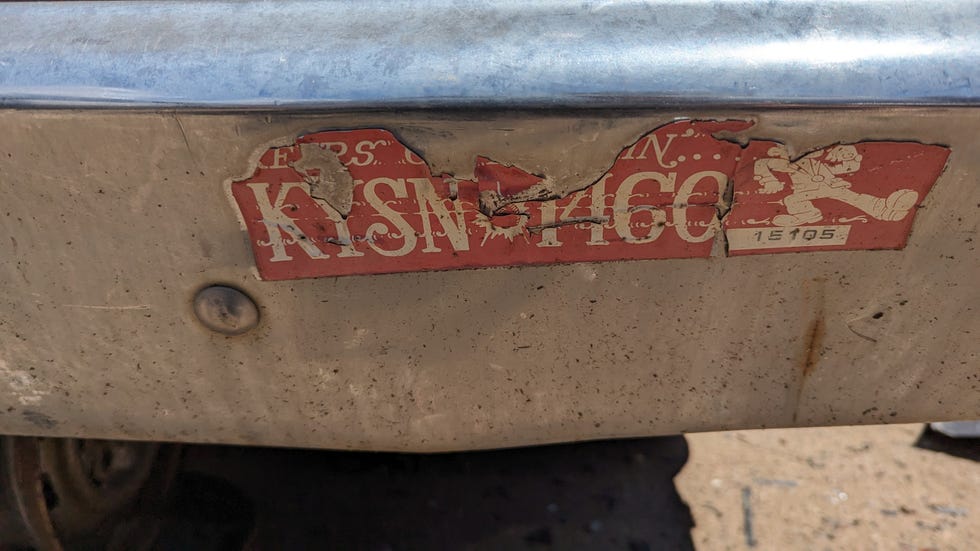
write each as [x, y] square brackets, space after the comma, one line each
[361, 202]
[842, 197]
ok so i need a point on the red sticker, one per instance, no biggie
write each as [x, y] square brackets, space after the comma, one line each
[842, 197]
[659, 199]
[361, 202]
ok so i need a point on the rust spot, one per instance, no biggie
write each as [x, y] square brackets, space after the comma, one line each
[813, 294]
[814, 342]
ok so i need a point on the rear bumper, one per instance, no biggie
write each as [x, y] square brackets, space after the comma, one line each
[126, 127]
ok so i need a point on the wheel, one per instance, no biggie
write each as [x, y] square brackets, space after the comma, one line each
[75, 494]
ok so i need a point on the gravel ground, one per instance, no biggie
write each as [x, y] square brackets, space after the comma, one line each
[833, 488]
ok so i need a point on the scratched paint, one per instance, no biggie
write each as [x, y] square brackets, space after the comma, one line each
[23, 386]
[360, 201]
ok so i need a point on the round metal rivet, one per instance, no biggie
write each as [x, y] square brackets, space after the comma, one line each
[226, 310]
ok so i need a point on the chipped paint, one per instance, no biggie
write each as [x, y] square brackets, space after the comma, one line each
[25, 388]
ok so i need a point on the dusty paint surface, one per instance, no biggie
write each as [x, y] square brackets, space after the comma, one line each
[362, 202]
[106, 242]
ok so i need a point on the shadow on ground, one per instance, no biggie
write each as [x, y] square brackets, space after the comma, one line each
[966, 448]
[600, 495]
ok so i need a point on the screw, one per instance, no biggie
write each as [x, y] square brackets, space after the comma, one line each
[226, 310]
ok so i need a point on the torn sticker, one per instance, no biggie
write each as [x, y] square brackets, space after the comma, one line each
[659, 199]
[842, 197]
[362, 202]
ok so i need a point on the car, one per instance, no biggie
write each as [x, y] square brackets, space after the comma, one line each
[447, 226]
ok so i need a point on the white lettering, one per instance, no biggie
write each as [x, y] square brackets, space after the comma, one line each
[658, 150]
[276, 223]
[684, 195]
[405, 230]
[344, 240]
[412, 159]
[361, 148]
[432, 204]
[549, 215]
[279, 156]
[623, 212]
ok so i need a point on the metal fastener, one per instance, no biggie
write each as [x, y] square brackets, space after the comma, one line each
[226, 310]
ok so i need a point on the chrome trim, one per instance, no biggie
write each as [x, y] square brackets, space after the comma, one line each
[441, 53]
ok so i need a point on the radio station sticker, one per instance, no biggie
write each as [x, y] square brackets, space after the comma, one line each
[360, 201]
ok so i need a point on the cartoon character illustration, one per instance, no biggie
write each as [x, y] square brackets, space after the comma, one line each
[817, 176]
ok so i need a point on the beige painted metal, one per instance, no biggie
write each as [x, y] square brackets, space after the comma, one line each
[112, 221]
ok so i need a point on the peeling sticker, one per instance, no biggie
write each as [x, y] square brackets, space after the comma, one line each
[321, 168]
[362, 202]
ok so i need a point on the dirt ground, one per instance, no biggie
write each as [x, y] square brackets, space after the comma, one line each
[831, 488]
[882, 487]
